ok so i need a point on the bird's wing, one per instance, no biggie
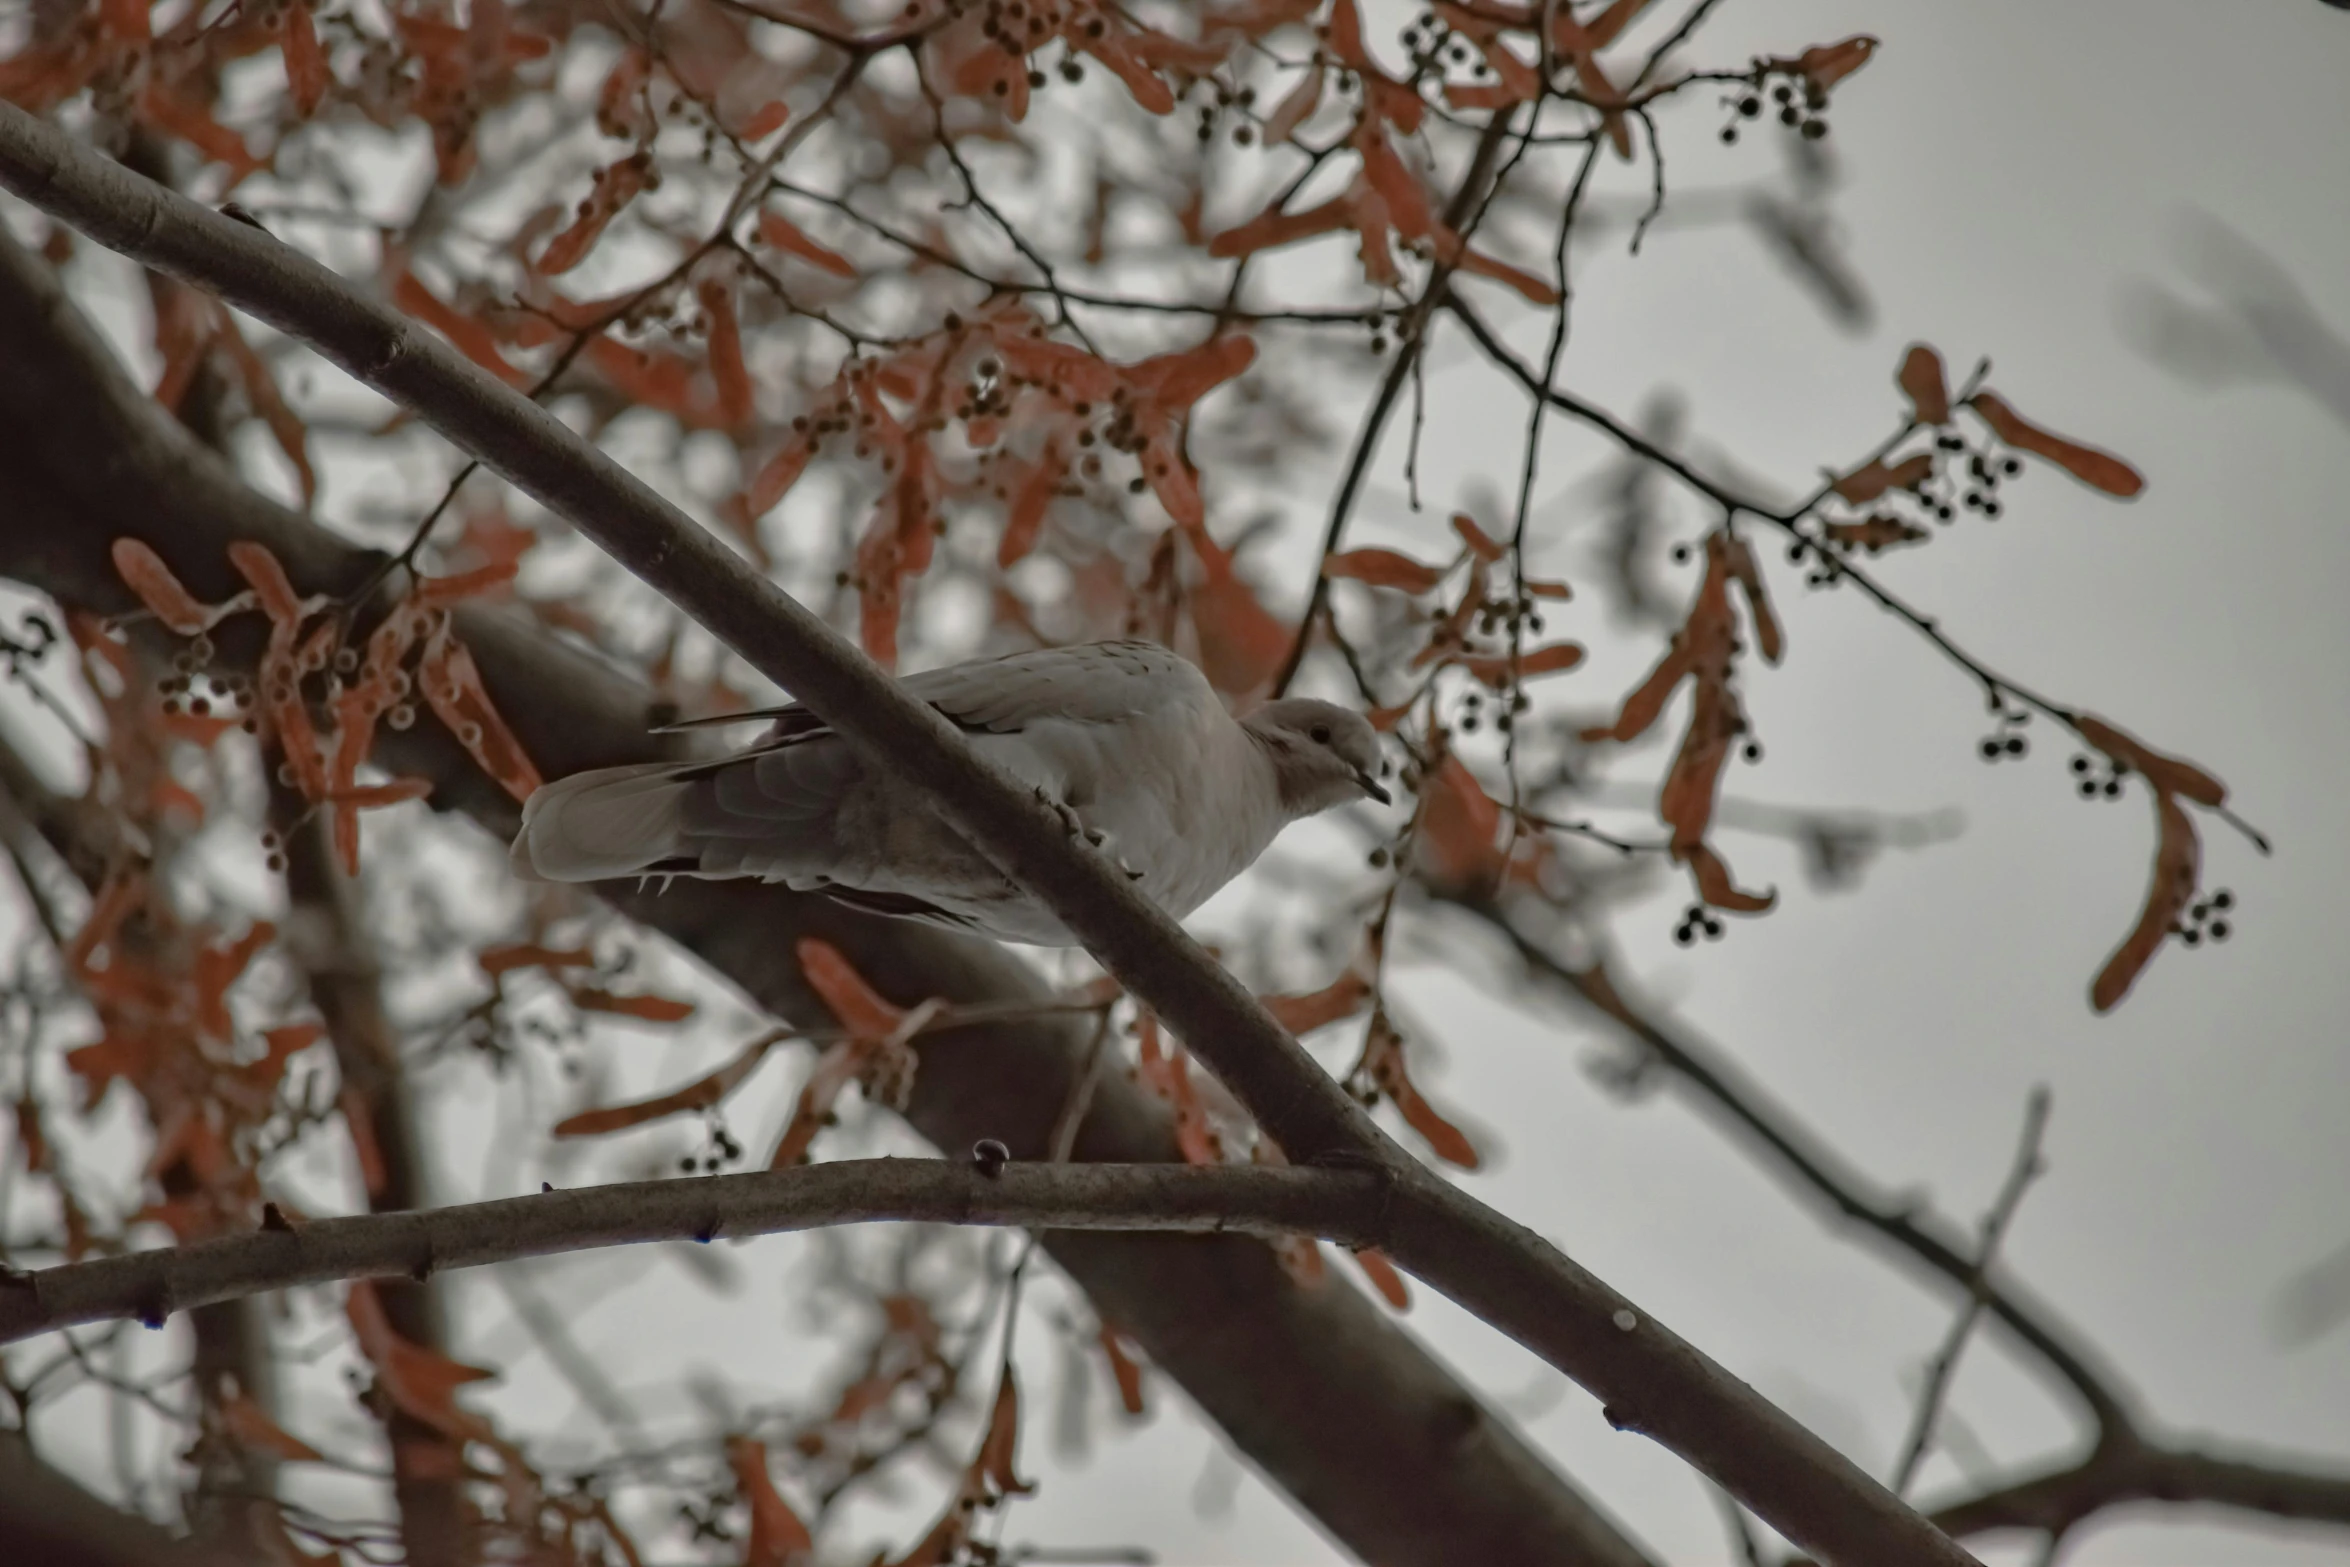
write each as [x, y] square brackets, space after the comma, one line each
[1093, 682]
[774, 810]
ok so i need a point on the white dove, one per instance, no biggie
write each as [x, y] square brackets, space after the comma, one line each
[1127, 739]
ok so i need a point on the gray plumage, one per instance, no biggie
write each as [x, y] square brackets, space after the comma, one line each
[1128, 737]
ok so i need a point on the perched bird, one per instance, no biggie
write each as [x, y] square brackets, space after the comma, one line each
[1126, 739]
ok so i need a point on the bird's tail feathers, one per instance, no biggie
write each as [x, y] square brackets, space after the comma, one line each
[592, 826]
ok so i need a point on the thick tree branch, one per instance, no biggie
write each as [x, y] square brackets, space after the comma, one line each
[1657, 1383]
[47, 1519]
[1348, 1206]
[1322, 1390]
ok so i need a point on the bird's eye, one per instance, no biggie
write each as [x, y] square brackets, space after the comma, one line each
[1319, 734]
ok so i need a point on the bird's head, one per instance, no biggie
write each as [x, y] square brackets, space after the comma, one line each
[1323, 754]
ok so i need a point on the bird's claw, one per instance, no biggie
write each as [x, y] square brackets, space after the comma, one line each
[1071, 822]
[1092, 837]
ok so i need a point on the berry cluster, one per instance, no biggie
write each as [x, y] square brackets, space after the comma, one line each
[1985, 469]
[1219, 100]
[194, 688]
[2207, 917]
[723, 1150]
[1825, 566]
[1505, 716]
[2006, 743]
[1017, 27]
[1437, 51]
[2097, 782]
[1698, 920]
[1802, 105]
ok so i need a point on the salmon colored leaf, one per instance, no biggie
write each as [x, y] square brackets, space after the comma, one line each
[271, 587]
[495, 961]
[1498, 670]
[440, 592]
[2167, 773]
[1714, 884]
[470, 337]
[616, 185]
[1647, 700]
[699, 1094]
[1025, 520]
[996, 1455]
[422, 1382]
[765, 121]
[1296, 107]
[1458, 842]
[769, 485]
[1451, 251]
[1240, 642]
[1382, 1064]
[1866, 483]
[649, 1009]
[1273, 227]
[2099, 470]
[778, 1537]
[1384, 1278]
[306, 71]
[1829, 64]
[1480, 544]
[452, 686]
[845, 993]
[285, 427]
[784, 235]
[727, 369]
[1881, 532]
[1923, 383]
[143, 572]
[2178, 855]
[1125, 1370]
[254, 1431]
[1739, 558]
[1384, 569]
[1301, 1014]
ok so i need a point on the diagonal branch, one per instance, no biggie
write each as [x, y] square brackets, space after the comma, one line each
[1348, 1206]
[1650, 1379]
[1944, 1368]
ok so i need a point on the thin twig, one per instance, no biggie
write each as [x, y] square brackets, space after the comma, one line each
[1944, 1368]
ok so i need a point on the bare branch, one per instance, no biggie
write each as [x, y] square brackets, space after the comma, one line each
[1341, 1205]
[2021, 1174]
[2117, 1473]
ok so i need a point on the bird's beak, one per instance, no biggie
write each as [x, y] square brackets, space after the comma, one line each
[1372, 787]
